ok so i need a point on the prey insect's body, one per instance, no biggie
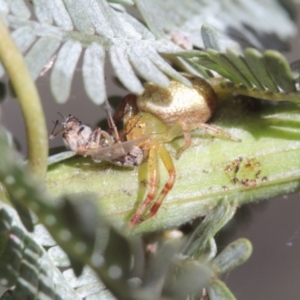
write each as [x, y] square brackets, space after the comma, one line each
[99, 144]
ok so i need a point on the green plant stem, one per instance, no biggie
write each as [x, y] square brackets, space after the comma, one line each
[264, 164]
[27, 94]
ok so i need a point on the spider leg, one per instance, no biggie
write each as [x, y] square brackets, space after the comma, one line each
[111, 123]
[153, 179]
[187, 138]
[98, 136]
[168, 163]
[182, 128]
[218, 131]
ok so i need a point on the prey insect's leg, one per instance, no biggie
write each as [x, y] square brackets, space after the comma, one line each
[168, 163]
[153, 183]
[53, 135]
[99, 136]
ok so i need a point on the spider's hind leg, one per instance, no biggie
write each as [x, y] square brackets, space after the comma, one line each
[182, 128]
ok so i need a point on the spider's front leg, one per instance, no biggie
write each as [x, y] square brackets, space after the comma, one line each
[153, 179]
[168, 163]
[154, 153]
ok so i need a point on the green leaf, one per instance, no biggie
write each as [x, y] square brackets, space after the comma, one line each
[61, 259]
[255, 62]
[231, 19]
[42, 236]
[19, 9]
[265, 76]
[190, 278]
[93, 72]
[53, 159]
[115, 258]
[97, 26]
[79, 13]
[280, 70]
[24, 38]
[23, 213]
[219, 291]
[124, 2]
[210, 38]
[63, 70]
[124, 69]
[75, 208]
[59, 14]
[26, 265]
[40, 54]
[42, 12]
[232, 256]
[7, 296]
[159, 263]
[133, 48]
[222, 61]
[87, 284]
[242, 66]
[212, 223]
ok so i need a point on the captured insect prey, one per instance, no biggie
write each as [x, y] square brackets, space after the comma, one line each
[99, 144]
[149, 122]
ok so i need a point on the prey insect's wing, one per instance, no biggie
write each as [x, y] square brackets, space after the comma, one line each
[116, 151]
